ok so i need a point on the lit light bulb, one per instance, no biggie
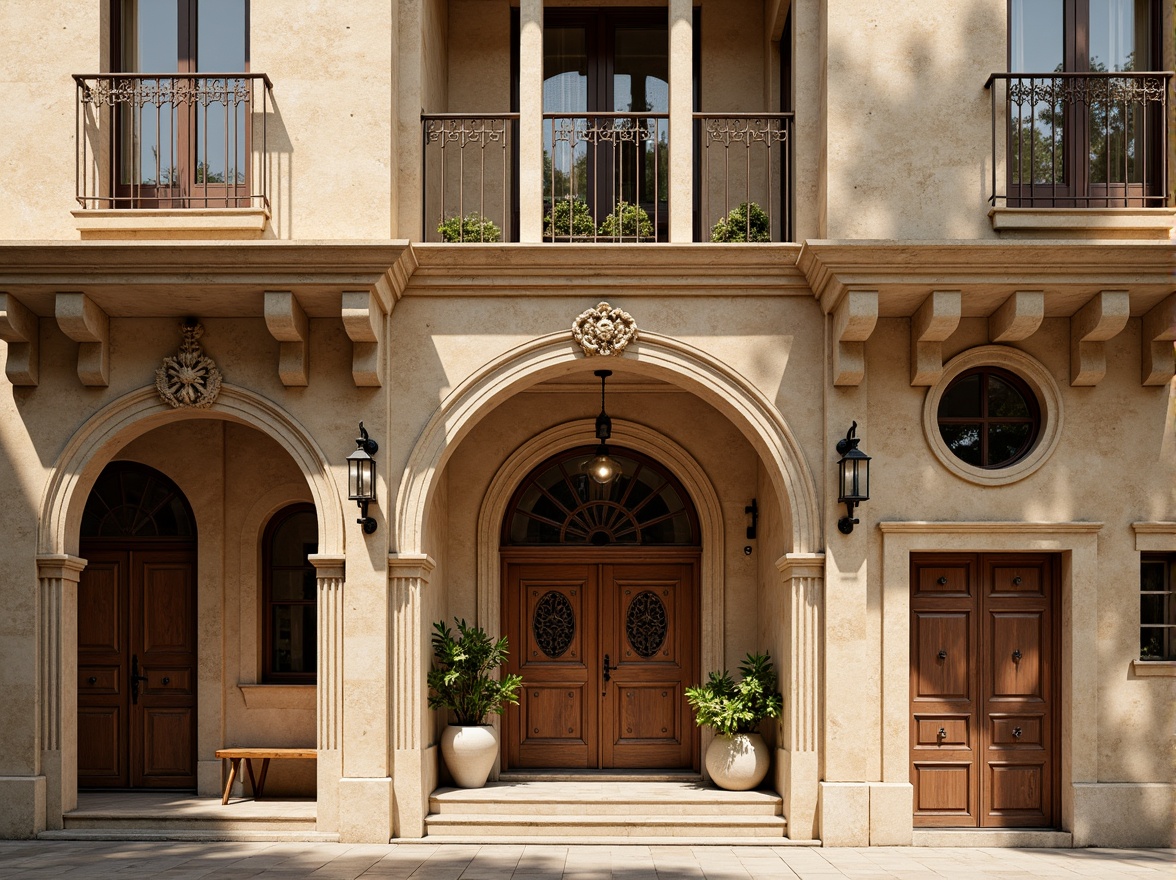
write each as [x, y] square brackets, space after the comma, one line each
[602, 468]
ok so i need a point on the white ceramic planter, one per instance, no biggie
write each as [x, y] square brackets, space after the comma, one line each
[469, 753]
[739, 762]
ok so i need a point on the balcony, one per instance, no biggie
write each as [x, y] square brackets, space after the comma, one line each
[172, 141]
[1079, 140]
[605, 177]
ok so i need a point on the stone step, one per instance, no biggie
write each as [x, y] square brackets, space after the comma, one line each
[78, 821]
[207, 831]
[603, 799]
[523, 825]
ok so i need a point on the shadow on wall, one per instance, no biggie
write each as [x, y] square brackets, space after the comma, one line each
[280, 170]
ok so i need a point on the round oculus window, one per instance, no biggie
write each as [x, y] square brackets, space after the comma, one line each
[989, 418]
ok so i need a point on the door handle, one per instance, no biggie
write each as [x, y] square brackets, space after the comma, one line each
[135, 679]
[607, 670]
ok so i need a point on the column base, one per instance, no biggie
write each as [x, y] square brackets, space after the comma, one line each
[891, 813]
[845, 814]
[365, 810]
[22, 807]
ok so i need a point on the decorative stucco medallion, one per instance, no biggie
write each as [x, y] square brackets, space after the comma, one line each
[604, 330]
[190, 378]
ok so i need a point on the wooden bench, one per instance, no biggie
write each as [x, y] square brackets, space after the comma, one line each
[236, 756]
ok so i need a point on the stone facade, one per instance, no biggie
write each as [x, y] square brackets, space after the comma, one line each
[330, 301]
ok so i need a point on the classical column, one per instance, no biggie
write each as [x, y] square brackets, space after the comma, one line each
[329, 571]
[57, 653]
[798, 768]
[681, 26]
[530, 121]
[414, 758]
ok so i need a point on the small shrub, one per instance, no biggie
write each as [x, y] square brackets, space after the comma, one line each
[462, 678]
[568, 218]
[627, 221]
[732, 708]
[474, 227]
[737, 227]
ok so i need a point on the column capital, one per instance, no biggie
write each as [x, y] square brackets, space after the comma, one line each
[60, 565]
[327, 565]
[411, 565]
[797, 565]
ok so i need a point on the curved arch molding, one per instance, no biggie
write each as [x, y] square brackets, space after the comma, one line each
[654, 355]
[134, 414]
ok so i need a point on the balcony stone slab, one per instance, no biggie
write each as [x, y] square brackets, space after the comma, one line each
[1085, 223]
[191, 224]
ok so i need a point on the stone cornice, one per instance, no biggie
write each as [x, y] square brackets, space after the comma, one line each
[989, 528]
[905, 273]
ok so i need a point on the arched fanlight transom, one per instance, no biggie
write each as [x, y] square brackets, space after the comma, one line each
[132, 500]
[644, 505]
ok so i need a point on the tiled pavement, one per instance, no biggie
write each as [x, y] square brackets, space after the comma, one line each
[74, 860]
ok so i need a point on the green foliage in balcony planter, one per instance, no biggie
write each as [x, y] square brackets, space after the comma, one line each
[462, 679]
[568, 218]
[627, 221]
[732, 708]
[474, 227]
[736, 226]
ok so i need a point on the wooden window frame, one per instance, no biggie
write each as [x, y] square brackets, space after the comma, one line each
[1168, 636]
[268, 675]
[985, 421]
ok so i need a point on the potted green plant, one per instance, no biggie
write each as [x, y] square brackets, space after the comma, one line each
[738, 758]
[568, 218]
[464, 681]
[473, 227]
[627, 221]
[746, 222]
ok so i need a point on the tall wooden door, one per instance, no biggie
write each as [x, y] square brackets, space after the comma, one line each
[984, 694]
[606, 651]
[137, 668]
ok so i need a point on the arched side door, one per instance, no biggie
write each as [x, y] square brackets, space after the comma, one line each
[137, 633]
[601, 610]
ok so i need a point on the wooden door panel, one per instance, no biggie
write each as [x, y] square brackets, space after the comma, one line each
[94, 680]
[983, 733]
[100, 753]
[943, 655]
[168, 611]
[100, 628]
[1015, 655]
[168, 750]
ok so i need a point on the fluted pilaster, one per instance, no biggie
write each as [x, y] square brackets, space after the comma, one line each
[330, 573]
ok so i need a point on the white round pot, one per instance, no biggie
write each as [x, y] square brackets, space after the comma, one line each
[469, 753]
[739, 762]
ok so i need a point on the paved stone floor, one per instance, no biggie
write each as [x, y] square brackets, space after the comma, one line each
[334, 861]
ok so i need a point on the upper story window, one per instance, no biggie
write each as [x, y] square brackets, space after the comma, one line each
[1084, 111]
[180, 121]
[290, 597]
[988, 418]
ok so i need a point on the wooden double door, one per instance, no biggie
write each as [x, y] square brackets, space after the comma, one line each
[606, 650]
[984, 690]
[137, 668]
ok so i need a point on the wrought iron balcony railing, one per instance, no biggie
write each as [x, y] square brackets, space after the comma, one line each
[470, 174]
[1079, 140]
[173, 140]
[743, 186]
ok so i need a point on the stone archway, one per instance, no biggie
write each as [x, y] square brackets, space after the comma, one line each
[90, 448]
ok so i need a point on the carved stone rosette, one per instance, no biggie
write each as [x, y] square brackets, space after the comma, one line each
[604, 330]
[190, 379]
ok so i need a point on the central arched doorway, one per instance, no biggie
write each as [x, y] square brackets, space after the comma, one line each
[601, 606]
[137, 633]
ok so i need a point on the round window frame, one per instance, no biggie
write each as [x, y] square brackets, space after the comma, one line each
[1049, 406]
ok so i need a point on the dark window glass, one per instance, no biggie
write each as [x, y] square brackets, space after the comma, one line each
[131, 500]
[290, 596]
[1157, 611]
[559, 504]
[988, 418]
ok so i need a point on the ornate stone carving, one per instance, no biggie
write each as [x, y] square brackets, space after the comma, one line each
[190, 378]
[604, 330]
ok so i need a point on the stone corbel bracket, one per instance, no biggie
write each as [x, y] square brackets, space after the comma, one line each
[1159, 332]
[287, 323]
[1018, 318]
[20, 329]
[1090, 327]
[364, 312]
[80, 318]
[937, 318]
[854, 320]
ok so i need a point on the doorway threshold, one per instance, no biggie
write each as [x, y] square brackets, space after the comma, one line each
[685, 776]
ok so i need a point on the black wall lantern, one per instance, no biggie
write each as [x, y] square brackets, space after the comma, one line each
[602, 468]
[361, 477]
[853, 478]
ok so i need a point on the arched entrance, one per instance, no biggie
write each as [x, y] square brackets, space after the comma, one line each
[601, 605]
[137, 633]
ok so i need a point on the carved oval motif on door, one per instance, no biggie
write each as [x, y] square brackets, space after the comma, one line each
[553, 624]
[646, 624]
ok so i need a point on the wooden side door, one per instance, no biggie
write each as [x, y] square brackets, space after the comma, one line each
[648, 642]
[137, 669]
[983, 690]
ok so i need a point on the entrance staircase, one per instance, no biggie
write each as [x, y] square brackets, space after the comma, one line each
[582, 808]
